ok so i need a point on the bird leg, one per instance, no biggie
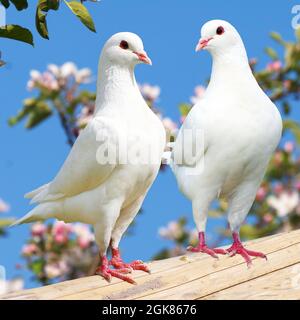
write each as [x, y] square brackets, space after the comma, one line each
[118, 263]
[238, 248]
[202, 247]
[107, 273]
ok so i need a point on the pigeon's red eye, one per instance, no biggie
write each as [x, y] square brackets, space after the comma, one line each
[220, 30]
[124, 44]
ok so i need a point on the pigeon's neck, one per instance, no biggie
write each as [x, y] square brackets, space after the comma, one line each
[115, 84]
[231, 67]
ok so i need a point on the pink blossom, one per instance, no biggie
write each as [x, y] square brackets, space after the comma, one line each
[38, 229]
[49, 81]
[274, 66]
[199, 92]
[54, 69]
[85, 116]
[261, 194]
[268, 218]
[252, 61]
[289, 147]
[54, 270]
[297, 185]
[284, 203]
[29, 249]
[61, 232]
[173, 231]
[35, 75]
[68, 69]
[46, 80]
[150, 92]
[4, 207]
[84, 235]
[170, 125]
[83, 75]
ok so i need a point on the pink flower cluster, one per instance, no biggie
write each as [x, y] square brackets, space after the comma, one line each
[199, 92]
[149, 92]
[274, 66]
[4, 207]
[61, 232]
[57, 77]
[284, 203]
[172, 231]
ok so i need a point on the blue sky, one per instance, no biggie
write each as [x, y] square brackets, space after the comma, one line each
[170, 31]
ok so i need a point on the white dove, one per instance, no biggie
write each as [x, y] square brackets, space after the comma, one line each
[113, 162]
[225, 143]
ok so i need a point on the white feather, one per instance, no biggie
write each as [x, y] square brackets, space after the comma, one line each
[240, 128]
[108, 196]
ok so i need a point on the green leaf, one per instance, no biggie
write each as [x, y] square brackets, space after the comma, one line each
[40, 113]
[37, 266]
[294, 127]
[20, 4]
[29, 104]
[40, 19]
[82, 13]
[277, 37]
[184, 109]
[286, 107]
[297, 34]
[5, 3]
[6, 222]
[16, 32]
[53, 4]
[271, 53]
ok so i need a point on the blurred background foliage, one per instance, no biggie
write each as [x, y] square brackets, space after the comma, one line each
[20, 33]
[57, 251]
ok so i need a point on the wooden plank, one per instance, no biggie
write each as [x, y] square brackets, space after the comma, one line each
[283, 284]
[202, 284]
[192, 276]
[62, 289]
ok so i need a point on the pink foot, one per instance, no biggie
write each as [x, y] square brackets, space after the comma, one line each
[202, 247]
[104, 271]
[117, 262]
[238, 248]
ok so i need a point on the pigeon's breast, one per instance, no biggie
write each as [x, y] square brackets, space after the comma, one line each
[241, 144]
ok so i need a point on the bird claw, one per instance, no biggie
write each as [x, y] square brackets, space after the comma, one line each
[107, 274]
[238, 248]
[204, 249]
[134, 265]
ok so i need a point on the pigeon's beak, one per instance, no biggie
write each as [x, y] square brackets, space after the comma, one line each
[144, 57]
[203, 42]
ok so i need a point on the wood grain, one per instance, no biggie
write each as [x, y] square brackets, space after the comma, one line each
[196, 276]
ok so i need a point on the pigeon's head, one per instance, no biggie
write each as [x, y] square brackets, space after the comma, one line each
[125, 48]
[218, 36]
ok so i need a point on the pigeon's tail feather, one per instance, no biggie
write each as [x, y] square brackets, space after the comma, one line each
[40, 213]
[35, 192]
[42, 194]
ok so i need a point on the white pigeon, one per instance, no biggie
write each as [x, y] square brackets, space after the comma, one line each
[113, 162]
[225, 143]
